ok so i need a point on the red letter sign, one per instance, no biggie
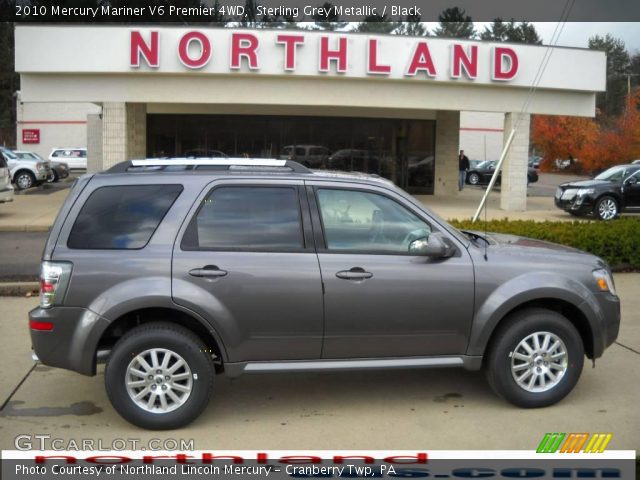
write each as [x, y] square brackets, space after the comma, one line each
[499, 55]
[205, 50]
[373, 66]
[339, 55]
[244, 45]
[421, 60]
[139, 47]
[460, 60]
[290, 42]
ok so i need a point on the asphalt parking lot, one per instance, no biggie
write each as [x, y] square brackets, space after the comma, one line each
[432, 409]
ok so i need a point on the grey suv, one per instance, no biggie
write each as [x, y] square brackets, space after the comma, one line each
[174, 270]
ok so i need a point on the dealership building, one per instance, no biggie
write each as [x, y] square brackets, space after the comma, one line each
[383, 104]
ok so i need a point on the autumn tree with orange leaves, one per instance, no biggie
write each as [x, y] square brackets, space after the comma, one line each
[596, 146]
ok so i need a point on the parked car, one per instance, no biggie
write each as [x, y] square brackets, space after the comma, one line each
[186, 277]
[614, 191]
[481, 175]
[75, 158]
[26, 172]
[314, 156]
[58, 169]
[354, 160]
[636, 162]
[534, 161]
[204, 153]
[6, 189]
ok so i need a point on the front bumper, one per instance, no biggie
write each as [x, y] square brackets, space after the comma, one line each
[609, 322]
[578, 205]
[72, 344]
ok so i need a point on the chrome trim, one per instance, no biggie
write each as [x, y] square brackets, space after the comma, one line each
[248, 162]
[356, 364]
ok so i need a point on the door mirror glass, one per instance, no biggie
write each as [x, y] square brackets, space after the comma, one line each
[631, 181]
[435, 246]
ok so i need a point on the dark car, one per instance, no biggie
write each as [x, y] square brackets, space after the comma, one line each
[607, 195]
[482, 173]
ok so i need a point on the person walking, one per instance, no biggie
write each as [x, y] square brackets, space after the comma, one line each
[463, 167]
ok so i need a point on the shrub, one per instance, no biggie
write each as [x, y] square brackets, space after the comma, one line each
[617, 242]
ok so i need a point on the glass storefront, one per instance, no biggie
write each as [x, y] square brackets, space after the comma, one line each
[400, 150]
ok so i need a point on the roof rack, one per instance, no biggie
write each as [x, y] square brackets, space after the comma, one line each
[159, 164]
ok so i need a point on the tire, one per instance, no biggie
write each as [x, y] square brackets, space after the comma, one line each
[606, 208]
[507, 342]
[473, 178]
[196, 377]
[53, 178]
[24, 179]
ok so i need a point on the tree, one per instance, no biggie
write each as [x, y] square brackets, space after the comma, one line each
[377, 24]
[330, 21]
[612, 101]
[412, 27]
[523, 32]
[454, 23]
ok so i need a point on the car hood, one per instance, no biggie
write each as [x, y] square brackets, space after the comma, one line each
[506, 240]
[585, 184]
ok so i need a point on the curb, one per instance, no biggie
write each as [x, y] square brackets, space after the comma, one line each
[19, 289]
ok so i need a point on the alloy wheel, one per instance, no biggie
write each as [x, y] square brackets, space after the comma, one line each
[539, 362]
[607, 209]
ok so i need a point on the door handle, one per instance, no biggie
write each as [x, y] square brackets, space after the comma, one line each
[208, 271]
[355, 273]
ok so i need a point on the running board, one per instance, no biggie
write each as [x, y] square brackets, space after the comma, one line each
[237, 369]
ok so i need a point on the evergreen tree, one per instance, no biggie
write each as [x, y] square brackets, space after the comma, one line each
[330, 22]
[377, 24]
[454, 23]
[612, 101]
[412, 27]
[511, 31]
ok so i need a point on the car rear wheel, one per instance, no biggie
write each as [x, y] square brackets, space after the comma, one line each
[474, 178]
[606, 208]
[24, 179]
[535, 358]
[159, 376]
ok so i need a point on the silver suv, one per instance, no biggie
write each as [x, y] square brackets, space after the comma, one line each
[174, 270]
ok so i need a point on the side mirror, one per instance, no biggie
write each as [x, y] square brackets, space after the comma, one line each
[434, 246]
[631, 181]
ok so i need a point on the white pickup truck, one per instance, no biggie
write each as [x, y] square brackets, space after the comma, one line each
[25, 172]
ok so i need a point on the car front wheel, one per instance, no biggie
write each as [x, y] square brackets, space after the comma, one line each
[606, 208]
[159, 376]
[24, 180]
[53, 177]
[474, 178]
[535, 358]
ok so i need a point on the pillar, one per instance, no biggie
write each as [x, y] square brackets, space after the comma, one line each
[447, 143]
[124, 132]
[513, 190]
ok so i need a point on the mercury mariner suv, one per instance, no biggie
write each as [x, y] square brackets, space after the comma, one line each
[174, 270]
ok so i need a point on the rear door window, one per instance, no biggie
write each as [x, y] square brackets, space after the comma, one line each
[121, 217]
[247, 218]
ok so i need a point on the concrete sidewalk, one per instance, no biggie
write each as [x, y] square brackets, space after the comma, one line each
[31, 213]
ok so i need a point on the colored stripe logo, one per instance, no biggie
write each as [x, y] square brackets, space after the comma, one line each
[574, 443]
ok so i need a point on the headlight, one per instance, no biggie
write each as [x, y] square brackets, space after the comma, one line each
[604, 280]
[585, 191]
[40, 166]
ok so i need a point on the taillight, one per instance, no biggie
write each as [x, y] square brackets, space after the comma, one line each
[42, 326]
[54, 278]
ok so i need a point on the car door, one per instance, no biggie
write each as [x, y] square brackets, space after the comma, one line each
[380, 300]
[631, 191]
[245, 261]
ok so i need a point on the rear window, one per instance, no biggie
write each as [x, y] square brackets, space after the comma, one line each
[122, 217]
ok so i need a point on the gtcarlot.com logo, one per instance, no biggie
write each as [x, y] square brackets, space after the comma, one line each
[574, 443]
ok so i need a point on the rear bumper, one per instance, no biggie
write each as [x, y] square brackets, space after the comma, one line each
[72, 343]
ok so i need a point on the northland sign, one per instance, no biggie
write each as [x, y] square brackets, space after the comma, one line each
[147, 52]
[195, 51]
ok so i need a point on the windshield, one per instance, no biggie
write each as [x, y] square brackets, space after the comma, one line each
[614, 174]
[27, 156]
[9, 154]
